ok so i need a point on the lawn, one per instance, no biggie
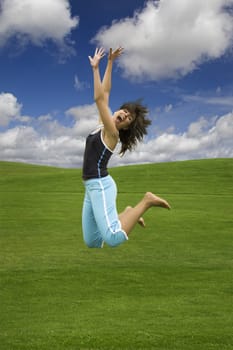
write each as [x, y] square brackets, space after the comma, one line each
[169, 287]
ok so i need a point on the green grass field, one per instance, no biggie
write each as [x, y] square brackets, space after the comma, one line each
[169, 287]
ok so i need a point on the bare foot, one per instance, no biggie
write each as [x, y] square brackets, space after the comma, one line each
[141, 222]
[156, 201]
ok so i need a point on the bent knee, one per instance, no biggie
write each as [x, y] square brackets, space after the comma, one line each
[93, 244]
[115, 239]
[112, 243]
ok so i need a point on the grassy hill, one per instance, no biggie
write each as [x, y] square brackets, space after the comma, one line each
[169, 287]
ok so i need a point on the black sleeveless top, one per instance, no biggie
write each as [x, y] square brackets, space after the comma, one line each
[96, 157]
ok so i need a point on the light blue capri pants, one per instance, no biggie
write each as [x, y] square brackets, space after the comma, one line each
[99, 216]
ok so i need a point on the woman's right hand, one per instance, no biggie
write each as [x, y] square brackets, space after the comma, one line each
[95, 60]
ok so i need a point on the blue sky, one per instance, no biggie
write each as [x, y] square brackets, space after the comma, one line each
[178, 57]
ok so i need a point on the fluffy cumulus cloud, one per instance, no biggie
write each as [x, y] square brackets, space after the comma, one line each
[36, 21]
[85, 117]
[170, 38]
[9, 108]
[204, 139]
[44, 140]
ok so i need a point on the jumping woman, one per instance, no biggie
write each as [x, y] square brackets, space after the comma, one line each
[100, 220]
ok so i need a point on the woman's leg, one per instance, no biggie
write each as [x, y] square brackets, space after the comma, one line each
[91, 233]
[140, 221]
[103, 199]
[130, 217]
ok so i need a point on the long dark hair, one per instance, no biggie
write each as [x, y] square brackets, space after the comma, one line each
[131, 136]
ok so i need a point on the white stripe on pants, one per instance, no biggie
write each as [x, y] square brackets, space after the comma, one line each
[99, 216]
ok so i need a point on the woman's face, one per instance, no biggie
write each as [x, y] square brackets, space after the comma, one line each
[123, 119]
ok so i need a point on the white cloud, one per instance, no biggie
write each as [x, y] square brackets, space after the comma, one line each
[36, 21]
[170, 38]
[196, 129]
[49, 142]
[25, 144]
[86, 119]
[9, 108]
[203, 139]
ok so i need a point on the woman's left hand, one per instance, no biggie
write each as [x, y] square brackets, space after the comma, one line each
[116, 53]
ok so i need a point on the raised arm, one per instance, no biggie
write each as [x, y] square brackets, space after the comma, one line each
[94, 61]
[99, 93]
[107, 80]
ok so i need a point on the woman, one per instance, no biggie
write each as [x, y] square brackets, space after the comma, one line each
[100, 220]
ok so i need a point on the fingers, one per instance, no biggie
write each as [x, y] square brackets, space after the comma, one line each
[117, 52]
[120, 49]
[100, 52]
[98, 55]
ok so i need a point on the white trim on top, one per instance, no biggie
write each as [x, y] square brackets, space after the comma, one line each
[97, 129]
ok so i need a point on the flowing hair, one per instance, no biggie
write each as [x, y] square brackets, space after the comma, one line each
[137, 129]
